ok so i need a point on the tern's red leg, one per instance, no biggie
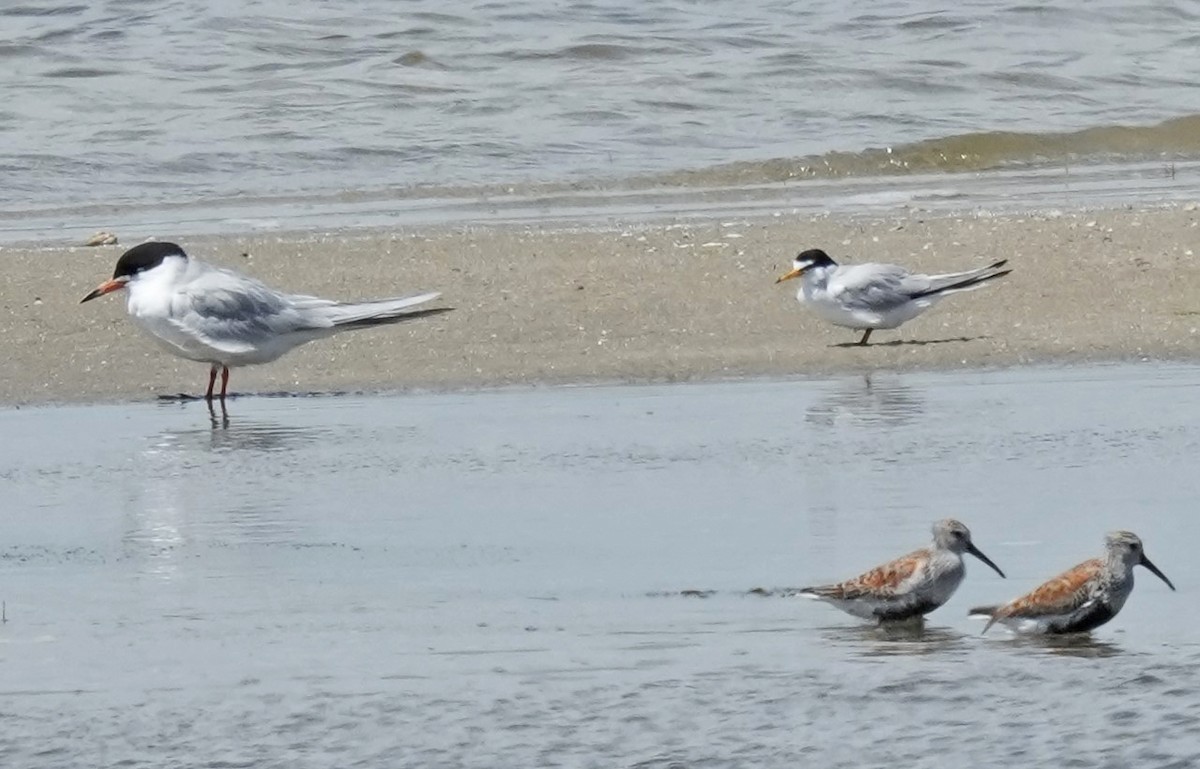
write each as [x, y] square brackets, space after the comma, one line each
[212, 378]
[224, 381]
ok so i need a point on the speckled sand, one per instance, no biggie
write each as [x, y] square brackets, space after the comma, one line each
[649, 302]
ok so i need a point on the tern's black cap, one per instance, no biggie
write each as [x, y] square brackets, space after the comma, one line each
[144, 257]
[815, 257]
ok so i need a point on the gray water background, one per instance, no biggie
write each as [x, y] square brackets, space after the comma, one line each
[172, 116]
[496, 579]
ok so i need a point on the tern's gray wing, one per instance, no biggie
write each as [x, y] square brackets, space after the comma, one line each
[875, 287]
[235, 314]
[917, 286]
[881, 287]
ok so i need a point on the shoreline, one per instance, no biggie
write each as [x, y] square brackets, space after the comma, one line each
[635, 200]
[645, 302]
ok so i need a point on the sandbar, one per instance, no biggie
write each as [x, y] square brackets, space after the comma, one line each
[660, 301]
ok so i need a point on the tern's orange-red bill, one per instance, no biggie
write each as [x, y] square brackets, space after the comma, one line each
[107, 287]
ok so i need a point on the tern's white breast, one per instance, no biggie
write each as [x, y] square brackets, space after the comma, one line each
[154, 306]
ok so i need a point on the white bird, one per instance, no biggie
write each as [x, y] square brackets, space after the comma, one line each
[220, 317]
[871, 296]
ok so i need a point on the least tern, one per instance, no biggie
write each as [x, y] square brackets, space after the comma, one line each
[220, 317]
[910, 586]
[871, 296]
[1079, 599]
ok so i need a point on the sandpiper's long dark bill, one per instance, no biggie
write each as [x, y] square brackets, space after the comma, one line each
[1080, 599]
[1154, 570]
[910, 586]
[226, 319]
[979, 554]
[871, 296]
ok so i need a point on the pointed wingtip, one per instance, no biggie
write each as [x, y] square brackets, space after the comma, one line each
[984, 612]
[423, 298]
[417, 299]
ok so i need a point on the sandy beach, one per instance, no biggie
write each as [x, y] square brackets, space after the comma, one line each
[647, 302]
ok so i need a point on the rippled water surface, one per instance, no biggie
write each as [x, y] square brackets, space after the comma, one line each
[118, 103]
[502, 579]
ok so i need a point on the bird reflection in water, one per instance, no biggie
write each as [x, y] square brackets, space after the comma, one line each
[225, 433]
[1073, 645]
[228, 433]
[864, 402]
[915, 637]
[221, 423]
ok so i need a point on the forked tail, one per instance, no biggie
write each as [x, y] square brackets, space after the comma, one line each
[383, 311]
[386, 319]
[963, 281]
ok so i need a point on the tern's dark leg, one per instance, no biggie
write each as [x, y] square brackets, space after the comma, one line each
[212, 378]
[224, 381]
[866, 335]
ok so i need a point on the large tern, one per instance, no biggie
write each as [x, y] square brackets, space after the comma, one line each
[220, 317]
[871, 296]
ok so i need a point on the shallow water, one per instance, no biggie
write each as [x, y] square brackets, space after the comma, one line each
[120, 104]
[497, 579]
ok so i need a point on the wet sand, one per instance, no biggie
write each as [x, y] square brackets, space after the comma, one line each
[647, 302]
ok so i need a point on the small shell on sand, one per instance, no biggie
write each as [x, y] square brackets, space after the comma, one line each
[101, 238]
